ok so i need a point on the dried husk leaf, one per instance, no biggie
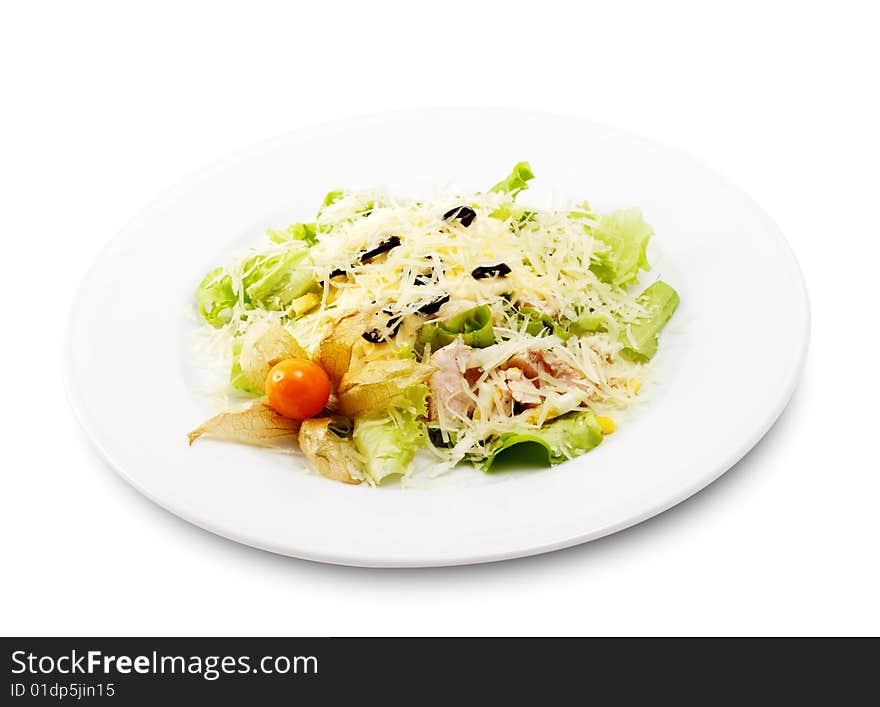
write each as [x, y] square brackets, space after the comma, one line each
[262, 348]
[258, 425]
[334, 353]
[365, 376]
[373, 386]
[325, 450]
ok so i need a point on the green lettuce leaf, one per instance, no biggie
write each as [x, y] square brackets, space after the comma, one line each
[626, 235]
[516, 181]
[583, 211]
[588, 323]
[538, 322]
[332, 197]
[568, 436]
[274, 281]
[388, 439]
[413, 400]
[519, 216]
[513, 184]
[215, 297]
[295, 232]
[236, 375]
[640, 338]
[474, 326]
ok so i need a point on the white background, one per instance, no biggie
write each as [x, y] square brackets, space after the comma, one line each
[107, 104]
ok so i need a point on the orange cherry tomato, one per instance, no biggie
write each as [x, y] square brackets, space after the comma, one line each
[297, 388]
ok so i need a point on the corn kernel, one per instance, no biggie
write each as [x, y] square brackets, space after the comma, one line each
[606, 423]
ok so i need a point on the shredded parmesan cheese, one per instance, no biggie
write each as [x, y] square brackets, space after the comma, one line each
[522, 380]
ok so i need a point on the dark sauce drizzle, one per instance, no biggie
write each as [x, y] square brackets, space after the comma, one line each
[485, 271]
[464, 214]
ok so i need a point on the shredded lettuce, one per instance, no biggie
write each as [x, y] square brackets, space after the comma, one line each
[388, 439]
[332, 197]
[626, 235]
[215, 297]
[583, 211]
[294, 232]
[269, 281]
[565, 437]
[640, 339]
[274, 281]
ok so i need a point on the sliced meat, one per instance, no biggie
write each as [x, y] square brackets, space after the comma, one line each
[536, 361]
[528, 363]
[523, 390]
[451, 382]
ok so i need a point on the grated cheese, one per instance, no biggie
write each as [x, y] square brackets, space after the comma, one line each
[549, 256]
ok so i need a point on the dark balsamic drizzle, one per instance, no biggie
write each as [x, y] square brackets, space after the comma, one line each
[366, 255]
[374, 336]
[383, 247]
[433, 307]
[485, 271]
[392, 326]
[464, 214]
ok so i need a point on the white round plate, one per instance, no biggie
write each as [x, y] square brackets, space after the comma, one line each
[728, 362]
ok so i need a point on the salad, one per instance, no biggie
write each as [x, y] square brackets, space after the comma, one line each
[461, 328]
